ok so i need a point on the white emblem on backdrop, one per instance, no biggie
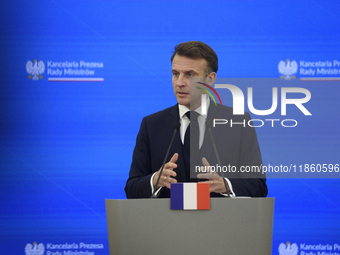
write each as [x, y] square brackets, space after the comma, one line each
[35, 69]
[288, 69]
[34, 249]
[288, 249]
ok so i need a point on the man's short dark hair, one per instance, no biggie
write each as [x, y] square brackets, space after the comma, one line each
[197, 50]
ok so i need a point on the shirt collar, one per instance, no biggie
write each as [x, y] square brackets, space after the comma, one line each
[183, 109]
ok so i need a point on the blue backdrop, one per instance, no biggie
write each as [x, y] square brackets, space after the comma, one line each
[67, 138]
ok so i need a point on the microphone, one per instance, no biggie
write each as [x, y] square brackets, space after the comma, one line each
[176, 128]
[207, 125]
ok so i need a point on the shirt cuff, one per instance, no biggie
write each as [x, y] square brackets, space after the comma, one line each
[231, 189]
[152, 187]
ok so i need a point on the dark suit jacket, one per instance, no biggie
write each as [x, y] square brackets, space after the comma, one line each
[237, 146]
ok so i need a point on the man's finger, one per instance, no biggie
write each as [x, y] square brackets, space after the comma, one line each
[169, 172]
[203, 169]
[170, 166]
[171, 180]
[167, 180]
[216, 185]
[205, 162]
[174, 158]
[208, 176]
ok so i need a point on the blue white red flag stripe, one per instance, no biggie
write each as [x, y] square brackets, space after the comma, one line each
[176, 196]
[190, 196]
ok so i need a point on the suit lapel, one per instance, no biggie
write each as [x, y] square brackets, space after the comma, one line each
[171, 121]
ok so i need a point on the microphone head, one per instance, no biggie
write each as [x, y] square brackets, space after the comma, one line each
[177, 125]
[207, 124]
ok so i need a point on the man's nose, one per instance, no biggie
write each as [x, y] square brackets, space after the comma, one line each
[181, 80]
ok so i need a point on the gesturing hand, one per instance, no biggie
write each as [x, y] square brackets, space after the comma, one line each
[167, 174]
[216, 182]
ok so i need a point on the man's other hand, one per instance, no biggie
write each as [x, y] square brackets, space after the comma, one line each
[215, 181]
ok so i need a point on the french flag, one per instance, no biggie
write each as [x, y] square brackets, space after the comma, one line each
[190, 196]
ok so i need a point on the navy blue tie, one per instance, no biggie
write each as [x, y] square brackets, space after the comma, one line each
[193, 132]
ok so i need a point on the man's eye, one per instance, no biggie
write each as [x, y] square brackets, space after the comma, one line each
[175, 74]
[190, 74]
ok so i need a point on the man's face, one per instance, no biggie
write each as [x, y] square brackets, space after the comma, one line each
[183, 69]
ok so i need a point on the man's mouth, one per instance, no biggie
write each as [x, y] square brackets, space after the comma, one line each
[182, 93]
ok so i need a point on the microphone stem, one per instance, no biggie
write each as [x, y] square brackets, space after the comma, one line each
[219, 163]
[166, 156]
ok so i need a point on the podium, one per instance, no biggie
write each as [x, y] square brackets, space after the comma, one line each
[231, 226]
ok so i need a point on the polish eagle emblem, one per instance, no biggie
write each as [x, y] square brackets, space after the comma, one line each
[288, 69]
[34, 249]
[288, 249]
[35, 69]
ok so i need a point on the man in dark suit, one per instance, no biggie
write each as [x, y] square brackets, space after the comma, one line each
[236, 144]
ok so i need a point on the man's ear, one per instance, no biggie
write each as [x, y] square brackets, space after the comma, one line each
[211, 78]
